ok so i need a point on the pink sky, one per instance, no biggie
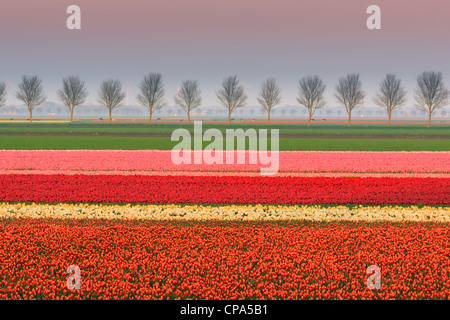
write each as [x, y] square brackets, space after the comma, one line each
[211, 39]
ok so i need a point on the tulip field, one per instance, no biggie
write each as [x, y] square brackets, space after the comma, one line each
[223, 190]
[141, 227]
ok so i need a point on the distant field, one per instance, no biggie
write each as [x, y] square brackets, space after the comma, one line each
[131, 136]
[163, 143]
[235, 120]
[284, 128]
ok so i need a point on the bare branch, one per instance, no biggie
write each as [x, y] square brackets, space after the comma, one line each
[111, 95]
[231, 95]
[72, 94]
[310, 94]
[391, 95]
[349, 93]
[431, 93]
[151, 93]
[2, 94]
[270, 95]
[189, 96]
[31, 93]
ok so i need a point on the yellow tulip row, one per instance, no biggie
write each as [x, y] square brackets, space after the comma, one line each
[225, 212]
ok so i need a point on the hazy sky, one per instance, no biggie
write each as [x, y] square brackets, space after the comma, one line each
[210, 39]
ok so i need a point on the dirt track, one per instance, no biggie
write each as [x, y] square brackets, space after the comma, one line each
[168, 135]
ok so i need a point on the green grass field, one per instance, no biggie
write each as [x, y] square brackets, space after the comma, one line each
[284, 128]
[163, 143]
[129, 142]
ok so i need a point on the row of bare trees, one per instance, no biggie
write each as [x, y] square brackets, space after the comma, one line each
[430, 94]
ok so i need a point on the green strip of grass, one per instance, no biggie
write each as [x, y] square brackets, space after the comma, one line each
[139, 143]
[300, 130]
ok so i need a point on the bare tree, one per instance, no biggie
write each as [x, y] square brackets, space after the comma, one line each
[111, 95]
[151, 93]
[72, 94]
[31, 93]
[349, 93]
[231, 95]
[431, 93]
[188, 97]
[310, 94]
[3, 92]
[269, 96]
[391, 95]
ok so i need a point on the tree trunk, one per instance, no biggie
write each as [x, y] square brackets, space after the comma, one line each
[31, 115]
[71, 116]
[189, 117]
[349, 118]
[309, 119]
[229, 117]
[389, 119]
[110, 116]
[268, 117]
[150, 118]
[429, 119]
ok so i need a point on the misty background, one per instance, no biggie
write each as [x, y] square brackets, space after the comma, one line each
[210, 40]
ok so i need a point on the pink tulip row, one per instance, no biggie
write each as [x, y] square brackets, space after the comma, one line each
[292, 162]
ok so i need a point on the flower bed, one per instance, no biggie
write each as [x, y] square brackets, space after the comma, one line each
[244, 190]
[148, 260]
[119, 161]
[225, 212]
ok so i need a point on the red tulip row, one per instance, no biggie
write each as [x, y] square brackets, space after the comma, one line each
[239, 189]
[164, 260]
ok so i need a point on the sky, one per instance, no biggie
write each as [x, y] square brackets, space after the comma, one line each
[208, 40]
